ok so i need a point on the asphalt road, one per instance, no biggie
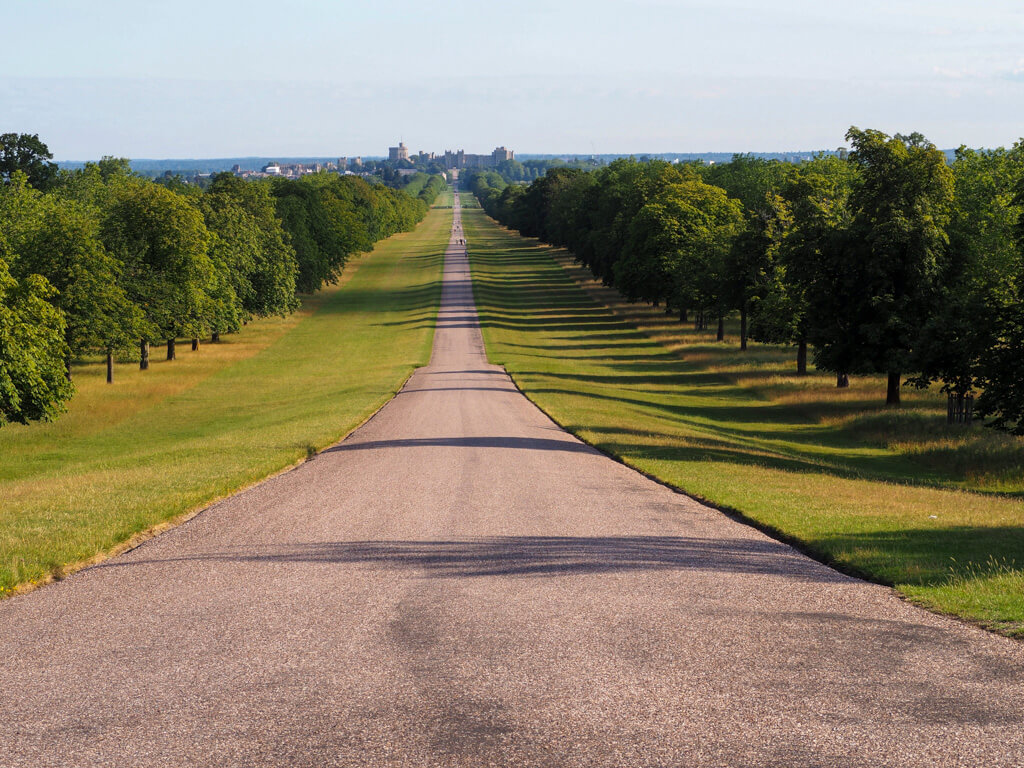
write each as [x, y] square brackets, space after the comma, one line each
[461, 583]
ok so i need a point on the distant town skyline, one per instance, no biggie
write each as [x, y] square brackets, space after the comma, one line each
[202, 79]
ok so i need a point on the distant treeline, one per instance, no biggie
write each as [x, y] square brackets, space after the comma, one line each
[890, 261]
[102, 261]
[424, 186]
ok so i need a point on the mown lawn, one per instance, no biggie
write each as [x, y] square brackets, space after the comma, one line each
[895, 496]
[445, 199]
[158, 444]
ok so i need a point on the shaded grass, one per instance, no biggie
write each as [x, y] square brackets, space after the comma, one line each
[898, 497]
[160, 443]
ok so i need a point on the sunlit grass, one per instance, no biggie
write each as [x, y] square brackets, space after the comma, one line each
[895, 495]
[157, 444]
[444, 199]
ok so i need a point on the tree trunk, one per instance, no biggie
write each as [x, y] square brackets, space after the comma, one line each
[696, 320]
[682, 315]
[171, 350]
[143, 355]
[67, 367]
[842, 380]
[801, 358]
[110, 367]
[195, 345]
[215, 337]
[743, 327]
[892, 394]
[721, 328]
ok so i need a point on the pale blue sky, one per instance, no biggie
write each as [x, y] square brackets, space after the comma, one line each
[208, 78]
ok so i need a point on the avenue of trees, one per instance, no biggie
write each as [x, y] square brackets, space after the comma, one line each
[891, 261]
[102, 262]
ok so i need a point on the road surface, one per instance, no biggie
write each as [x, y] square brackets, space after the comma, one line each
[462, 583]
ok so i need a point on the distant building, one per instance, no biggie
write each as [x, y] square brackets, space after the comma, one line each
[461, 159]
[357, 162]
[401, 152]
[272, 168]
[342, 163]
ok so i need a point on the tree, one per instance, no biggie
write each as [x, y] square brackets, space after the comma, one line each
[802, 291]
[1001, 367]
[1001, 371]
[161, 240]
[59, 239]
[26, 153]
[979, 276]
[683, 236]
[886, 272]
[248, 246]
[32, 348]
[750, 267]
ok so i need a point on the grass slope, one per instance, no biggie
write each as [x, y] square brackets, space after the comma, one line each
[937, 512]
[157, 444]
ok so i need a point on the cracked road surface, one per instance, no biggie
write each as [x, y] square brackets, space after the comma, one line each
[462, 583]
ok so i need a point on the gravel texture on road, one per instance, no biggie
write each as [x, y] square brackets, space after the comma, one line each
[462, 583]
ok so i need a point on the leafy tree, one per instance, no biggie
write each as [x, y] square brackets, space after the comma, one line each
[32, 348]
[567, 216]
[751, 265]
[800, 290]
[693, 226]
[1001, 368]
[979, 276]
[59, 239]
[161, 240]
[886, 273]
[26, 153]
[249, 244]
[96, 184]
[1001, 372]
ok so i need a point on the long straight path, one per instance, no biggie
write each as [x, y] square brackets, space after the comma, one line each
[462, 583]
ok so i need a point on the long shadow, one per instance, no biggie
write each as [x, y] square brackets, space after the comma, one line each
[417, 390]
[523, 443]
[536, 556]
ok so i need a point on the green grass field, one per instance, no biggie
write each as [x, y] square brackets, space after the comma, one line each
[445, 199]
[898, 497]
[158, 444]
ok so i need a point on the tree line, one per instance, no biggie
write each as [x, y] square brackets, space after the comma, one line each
[102, 261]
[889, 261]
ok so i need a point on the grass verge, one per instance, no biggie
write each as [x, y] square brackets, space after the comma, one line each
[159, 444]
[897, 497]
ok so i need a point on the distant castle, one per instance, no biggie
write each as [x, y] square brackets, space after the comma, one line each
[449, 160]
[456, 160]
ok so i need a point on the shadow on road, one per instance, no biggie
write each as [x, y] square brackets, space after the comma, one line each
[536, 556]
[525, 443]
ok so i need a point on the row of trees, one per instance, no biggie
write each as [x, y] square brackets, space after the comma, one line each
[425, 186]
[891, 261]
[104, 261]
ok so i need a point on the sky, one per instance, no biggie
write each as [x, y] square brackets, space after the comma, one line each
[207, 78]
